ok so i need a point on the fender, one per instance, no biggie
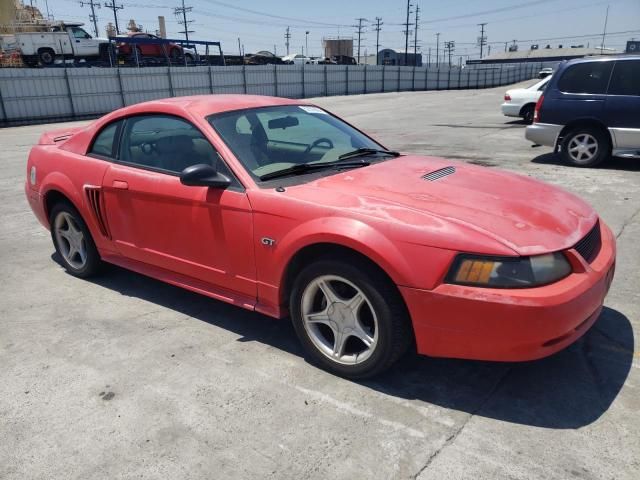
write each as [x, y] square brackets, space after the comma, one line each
[408, 269]
[63, 184]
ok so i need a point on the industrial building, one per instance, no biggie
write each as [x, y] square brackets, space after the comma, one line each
[546, 54]
[337, 46]
[389, 56]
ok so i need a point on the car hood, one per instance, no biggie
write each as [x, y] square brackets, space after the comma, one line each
[525, 215]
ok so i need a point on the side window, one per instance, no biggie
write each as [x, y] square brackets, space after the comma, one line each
[164, 142]
[626, 78]
[80, 33]
[103, 144]
[591, 77]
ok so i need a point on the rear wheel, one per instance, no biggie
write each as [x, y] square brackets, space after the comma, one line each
[527, 114]
[73, 241]
[175, 54]
[46, 56]
[349, 318]
[586, 147]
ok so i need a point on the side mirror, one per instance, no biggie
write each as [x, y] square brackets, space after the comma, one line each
[203, 175]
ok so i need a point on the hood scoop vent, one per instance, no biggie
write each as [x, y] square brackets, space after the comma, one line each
[438, 174]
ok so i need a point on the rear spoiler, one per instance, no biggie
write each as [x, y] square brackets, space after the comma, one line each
[57, 137]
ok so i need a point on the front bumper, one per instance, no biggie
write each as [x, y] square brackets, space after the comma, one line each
[543, 133]
[511, 324]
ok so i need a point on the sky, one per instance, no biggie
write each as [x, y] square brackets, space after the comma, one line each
[261, 24]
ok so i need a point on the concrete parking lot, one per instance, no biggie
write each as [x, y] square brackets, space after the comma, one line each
[124, 376]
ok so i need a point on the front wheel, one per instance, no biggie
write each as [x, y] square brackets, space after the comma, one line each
[349, 317]
[586, 147]
[73, 241]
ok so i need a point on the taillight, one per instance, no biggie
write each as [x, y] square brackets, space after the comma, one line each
[536, 112]
[507, 97]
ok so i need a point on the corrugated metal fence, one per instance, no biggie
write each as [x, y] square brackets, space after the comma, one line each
[44, 95]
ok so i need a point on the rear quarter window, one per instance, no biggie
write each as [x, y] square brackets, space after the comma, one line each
[626, 78]
[591, 77]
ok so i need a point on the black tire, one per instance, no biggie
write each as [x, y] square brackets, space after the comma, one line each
[527, 113]
[394, 330]
[600, 154]
[46, 56]
[93, 263]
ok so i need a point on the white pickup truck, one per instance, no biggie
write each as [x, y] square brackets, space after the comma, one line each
[62, 41]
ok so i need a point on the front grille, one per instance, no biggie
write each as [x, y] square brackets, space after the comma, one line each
[589, 246]
[435, 175]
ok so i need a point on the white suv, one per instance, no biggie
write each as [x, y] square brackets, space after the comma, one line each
[521, 102]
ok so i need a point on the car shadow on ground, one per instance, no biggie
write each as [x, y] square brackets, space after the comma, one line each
[568, 390]
[613, 163]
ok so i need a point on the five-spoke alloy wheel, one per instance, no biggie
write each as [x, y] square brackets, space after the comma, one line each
[586, 147]
[349, 317]
[73, 241]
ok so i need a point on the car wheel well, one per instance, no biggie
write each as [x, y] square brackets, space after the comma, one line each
[54, 197]
[589, 123]
[312, 253]
[525, 106]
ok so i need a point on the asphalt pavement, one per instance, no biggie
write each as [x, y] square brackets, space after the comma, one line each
[124, 376]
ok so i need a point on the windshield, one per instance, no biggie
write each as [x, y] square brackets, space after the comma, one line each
[271, 139]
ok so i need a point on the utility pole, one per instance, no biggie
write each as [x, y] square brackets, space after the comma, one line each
[306, 41]
[360, 31]
[377, 29]
[287, 37]
[482, 39]
[92, 17]
[505, 46]
[406, 34]
[450, 47]
[184, 22]
[115, 8]
[604, 32]
[437, 49]
[239, 47]
[415, 36]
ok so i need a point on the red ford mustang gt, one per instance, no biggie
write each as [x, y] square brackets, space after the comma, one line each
[278, 206]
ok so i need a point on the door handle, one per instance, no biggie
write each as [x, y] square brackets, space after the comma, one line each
[120, 185]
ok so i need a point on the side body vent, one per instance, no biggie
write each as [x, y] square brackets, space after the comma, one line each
[438, 174]
[94, 197]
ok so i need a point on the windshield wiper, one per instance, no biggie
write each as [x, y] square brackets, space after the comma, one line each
[308, 167]
[360, 152]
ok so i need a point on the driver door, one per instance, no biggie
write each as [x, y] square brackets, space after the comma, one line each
[83, 44]
[199, 232]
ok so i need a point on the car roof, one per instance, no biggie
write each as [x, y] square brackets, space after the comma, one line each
[604, 58]
[205, 105]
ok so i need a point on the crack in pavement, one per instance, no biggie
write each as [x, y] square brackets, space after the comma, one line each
[627, 222]
[452, 438]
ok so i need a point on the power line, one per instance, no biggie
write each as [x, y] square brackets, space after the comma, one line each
[93, 18]
[488, 12]
[183, 10]
[115, 8]
[266, 14]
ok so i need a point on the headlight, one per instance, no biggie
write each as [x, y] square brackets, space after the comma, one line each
[508, 272]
